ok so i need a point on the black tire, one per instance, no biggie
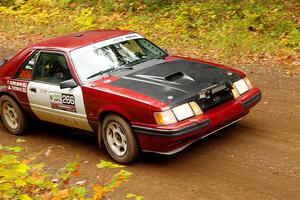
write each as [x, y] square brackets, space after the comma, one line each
[21, 118]
[132, 149]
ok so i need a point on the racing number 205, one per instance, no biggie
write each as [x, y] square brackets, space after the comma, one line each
[68, 99]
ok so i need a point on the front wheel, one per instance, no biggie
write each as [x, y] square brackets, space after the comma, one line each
[12, 116]
[119, 140]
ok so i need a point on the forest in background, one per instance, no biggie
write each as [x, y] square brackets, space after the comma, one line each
[227, 31]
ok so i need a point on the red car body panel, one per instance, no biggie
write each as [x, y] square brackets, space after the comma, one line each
[73, 41]
[133, 106]
[101, 98]
[219, 117]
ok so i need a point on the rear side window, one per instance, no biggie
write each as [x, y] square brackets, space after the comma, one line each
[25, 73]
[2, 62]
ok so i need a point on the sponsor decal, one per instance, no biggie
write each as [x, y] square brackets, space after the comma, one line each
[82, 50]
[18, 86]
[63, 102]
[125, 38]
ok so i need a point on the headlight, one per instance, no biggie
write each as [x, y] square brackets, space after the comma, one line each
[183, 111]
[240, 87]
[178, 113]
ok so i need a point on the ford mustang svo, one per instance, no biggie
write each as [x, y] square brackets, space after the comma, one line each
[124, 88]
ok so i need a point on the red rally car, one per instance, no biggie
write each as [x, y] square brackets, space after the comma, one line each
[125, 89]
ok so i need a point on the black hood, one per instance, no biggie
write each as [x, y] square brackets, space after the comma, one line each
[177, 81]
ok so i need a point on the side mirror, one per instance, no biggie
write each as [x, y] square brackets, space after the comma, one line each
[68, 84]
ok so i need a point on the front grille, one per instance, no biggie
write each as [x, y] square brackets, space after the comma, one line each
[216, 99]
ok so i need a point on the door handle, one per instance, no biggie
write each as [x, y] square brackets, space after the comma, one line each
[32, 90]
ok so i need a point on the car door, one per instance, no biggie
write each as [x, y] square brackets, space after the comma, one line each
[48, 101]
[17, 85]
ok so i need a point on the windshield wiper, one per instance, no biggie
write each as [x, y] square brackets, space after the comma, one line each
[138, 61]
[122, 68]
[108, 71]
[145, 59]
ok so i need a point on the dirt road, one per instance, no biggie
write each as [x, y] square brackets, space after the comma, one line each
[258, 158]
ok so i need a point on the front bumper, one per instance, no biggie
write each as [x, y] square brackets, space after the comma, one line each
[174, 138]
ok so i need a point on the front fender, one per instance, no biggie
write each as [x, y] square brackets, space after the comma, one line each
[113, 108]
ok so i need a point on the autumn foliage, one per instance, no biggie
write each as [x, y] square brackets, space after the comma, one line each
[22, 178]
[227, 30]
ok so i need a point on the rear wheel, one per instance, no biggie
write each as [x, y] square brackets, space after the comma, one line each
[119, 140]
[12, 116]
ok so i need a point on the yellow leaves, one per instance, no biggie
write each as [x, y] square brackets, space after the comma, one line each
[118, 179]
[20, 183]
[22, 168]
[24, 197]
[85, 19]
[63, 194]
[99, 192]
[20, 140]
[22, 180]
[6, 11]
[115, 17]
[15, 149]
[109, 165]
[19, 2]
[136, 197]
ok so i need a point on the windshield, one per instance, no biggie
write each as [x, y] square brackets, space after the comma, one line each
[108, 56]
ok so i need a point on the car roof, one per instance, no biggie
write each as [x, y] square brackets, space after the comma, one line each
[77, 40]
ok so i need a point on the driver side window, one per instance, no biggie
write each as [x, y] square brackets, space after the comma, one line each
[51, 68]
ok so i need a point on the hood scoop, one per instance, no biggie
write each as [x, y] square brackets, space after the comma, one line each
[179, 77]
[175, 76]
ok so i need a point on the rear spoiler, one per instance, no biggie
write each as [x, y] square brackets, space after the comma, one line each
[4, 60]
